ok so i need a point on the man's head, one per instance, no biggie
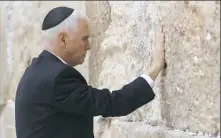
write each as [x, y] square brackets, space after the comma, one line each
[67, 34]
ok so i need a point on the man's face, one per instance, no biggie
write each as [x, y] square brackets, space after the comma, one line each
[76, 44]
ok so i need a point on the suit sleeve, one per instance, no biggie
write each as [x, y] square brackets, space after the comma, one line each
[74, 96]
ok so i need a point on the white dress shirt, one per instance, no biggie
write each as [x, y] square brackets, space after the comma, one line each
[146, 77]
[57, 57]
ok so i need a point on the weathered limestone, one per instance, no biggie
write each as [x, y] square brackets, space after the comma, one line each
[7, 122]
[142, 130]
[3, 62]
[100, 18]
[122, 38]
[190, 96]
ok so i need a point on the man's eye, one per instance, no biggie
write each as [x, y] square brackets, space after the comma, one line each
[85, 38]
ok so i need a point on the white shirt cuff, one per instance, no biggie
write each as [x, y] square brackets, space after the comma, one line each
[148, 79]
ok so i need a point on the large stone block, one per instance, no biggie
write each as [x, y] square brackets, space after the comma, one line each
[128, 48]
[141, 130]
[99, 14]
[188, 96]
[191, 94]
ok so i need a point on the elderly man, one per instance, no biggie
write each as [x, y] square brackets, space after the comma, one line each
[53, 100]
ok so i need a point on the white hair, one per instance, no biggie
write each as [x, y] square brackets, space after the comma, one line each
[69, 24]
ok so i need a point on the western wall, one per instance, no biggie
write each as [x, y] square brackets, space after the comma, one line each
[187, 102]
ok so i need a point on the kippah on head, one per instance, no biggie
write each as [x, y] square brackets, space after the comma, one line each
[56, 16]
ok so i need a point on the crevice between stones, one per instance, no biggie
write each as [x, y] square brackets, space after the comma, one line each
[96, 40]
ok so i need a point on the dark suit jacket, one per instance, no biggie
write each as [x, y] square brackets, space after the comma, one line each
[53, 100]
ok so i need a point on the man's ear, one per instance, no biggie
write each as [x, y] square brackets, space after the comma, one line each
[62, 38]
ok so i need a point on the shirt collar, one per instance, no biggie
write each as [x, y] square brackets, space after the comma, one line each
[57, 57]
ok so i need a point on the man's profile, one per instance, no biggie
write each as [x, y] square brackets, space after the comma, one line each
[53, 100]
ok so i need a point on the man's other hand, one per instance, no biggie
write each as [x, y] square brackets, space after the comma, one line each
[158, 54]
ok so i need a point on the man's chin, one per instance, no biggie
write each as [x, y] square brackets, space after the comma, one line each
[81, 62]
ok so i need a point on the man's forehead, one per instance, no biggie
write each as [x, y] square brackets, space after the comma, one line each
[83, 23]
[83, 27]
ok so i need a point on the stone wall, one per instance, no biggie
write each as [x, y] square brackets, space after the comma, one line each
[122, 37]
